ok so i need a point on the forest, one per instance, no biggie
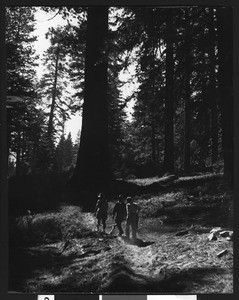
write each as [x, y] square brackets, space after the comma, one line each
[173, 155]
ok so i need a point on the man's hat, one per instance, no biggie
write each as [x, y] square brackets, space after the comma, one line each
[121, 198]
[128, 199]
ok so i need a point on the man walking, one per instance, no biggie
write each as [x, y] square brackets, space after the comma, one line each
[119, 214]
[132, 218]
[101, 211]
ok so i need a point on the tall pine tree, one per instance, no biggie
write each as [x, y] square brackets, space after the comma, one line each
[93, 164]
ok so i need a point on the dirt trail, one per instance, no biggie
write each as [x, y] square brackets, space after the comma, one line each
[157, 262]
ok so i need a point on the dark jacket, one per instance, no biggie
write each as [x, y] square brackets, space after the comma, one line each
[120, 211]
[101, 209]
[132, 211]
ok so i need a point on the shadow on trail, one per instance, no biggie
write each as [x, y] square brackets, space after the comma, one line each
[124, 279]
[138, 242]
[121, 278]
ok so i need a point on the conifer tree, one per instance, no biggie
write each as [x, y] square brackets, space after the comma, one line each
[93, 165]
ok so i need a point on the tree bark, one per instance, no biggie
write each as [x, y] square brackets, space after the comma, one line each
[169, 99]
[18, 154]
[187, 124]
[93, 163]
[153, 145]
[206, 124]
[225, 72]
[187, 109]
[213, 88]
[53, 102]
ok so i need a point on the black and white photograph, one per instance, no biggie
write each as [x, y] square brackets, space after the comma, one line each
[119, 139]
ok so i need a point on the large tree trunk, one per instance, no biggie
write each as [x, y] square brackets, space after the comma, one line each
[187, 124]
[93, 165]
[18, 154]
[187, 105]
[169, 99]
[205, 119]
[153, 129]
[225, 56]
[213, 88]
[153, 145]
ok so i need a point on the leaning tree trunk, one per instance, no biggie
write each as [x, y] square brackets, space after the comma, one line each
[169, 99]
[225, 76]
[93, 165]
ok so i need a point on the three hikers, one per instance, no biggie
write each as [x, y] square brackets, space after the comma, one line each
[121, 212]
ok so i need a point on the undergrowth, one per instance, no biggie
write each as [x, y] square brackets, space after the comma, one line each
[64, 224]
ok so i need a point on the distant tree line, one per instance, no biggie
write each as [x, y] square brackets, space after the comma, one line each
[36, 110]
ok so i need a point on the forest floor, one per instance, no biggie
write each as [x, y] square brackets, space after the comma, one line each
[62, 252]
